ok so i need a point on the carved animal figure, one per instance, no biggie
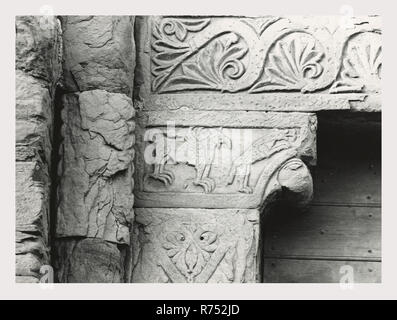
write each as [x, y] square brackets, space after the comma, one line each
[260, 149]
[198, 150]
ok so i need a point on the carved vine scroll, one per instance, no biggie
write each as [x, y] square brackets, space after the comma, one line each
[254, 54]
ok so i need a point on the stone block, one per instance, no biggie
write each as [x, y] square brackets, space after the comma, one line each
[96, 185]
[99, 53]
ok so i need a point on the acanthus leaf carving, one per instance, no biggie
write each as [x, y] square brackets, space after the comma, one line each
[190, 248]
[177, 67]
[260, 24]
[171, 51]
[260, 54]
[259, 150]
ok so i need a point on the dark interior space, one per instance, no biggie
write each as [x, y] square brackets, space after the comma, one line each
[343, 224]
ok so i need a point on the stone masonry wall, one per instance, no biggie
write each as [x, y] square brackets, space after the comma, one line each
[38, 69]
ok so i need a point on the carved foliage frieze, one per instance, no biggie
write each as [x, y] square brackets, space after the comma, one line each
[264, 54]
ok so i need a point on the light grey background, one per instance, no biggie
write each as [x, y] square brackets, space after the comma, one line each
[10, 289]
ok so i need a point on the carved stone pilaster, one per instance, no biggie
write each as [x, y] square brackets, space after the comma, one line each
[214, 146]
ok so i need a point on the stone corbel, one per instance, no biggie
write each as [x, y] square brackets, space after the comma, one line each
[293, 185]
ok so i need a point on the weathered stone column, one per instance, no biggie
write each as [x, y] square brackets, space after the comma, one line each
[38, 69]
[95, 210]
[227, 124]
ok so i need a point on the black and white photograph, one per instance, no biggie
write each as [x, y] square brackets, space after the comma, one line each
[198, 148]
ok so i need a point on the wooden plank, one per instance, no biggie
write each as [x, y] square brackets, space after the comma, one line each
[348, 182]
[325, 231]
[319, 271]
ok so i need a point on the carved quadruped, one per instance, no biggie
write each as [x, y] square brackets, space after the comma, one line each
[221, 159]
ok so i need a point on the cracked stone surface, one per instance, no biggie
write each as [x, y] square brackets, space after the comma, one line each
[195, 245]
[89, 261]
[38, 69]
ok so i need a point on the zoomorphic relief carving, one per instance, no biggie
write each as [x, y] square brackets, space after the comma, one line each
[209, 62]
[198, 149]
[195, 245]
[219, 157]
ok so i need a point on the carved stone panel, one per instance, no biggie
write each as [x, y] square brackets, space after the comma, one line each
[195, 245]
[95, 190]
[223, 160]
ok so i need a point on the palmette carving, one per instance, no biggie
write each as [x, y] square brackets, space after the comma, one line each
[362, 64]
[195, 245]
[216, 159]
[213, 67]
